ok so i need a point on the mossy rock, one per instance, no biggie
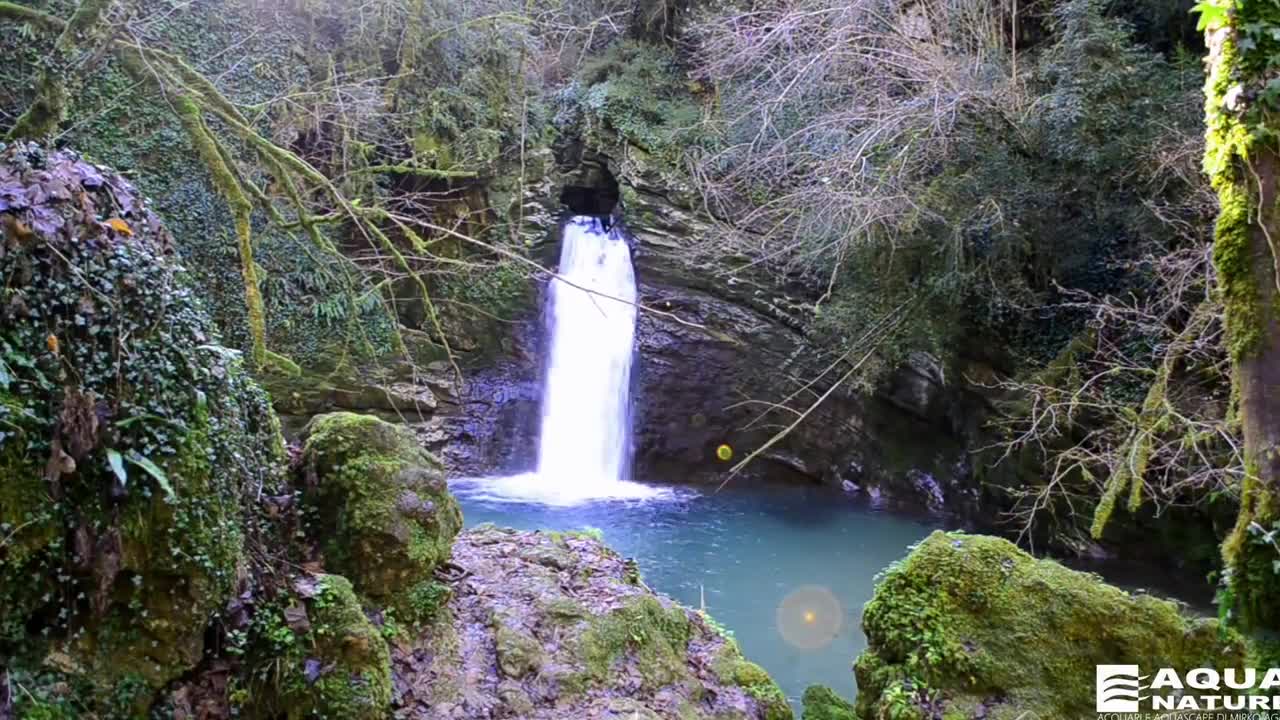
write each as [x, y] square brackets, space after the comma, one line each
[822, 703]
[317, 656]
[577, 638]
[380, 504]
[132, 446]
[644, 630]
[969, 621]
[733, 669]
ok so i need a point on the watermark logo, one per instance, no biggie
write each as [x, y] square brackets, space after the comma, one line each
[1119, 688]
[1124, 693]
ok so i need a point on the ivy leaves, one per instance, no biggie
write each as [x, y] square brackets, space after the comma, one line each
[1213, 14]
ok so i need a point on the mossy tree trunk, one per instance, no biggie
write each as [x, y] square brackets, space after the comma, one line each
[73, 52]
[1243, 161]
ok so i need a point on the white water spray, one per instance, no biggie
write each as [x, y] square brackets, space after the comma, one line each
[584, 451]
[585, 423]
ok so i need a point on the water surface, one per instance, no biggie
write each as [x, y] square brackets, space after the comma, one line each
[786, 569]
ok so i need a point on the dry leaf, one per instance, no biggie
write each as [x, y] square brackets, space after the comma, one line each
[120, 226]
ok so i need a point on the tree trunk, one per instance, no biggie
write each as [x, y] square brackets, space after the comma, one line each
[1244, 165]
[61, 71]
[1252, 550]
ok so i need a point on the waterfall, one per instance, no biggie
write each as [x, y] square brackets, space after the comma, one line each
[591, 320]
[584, 451]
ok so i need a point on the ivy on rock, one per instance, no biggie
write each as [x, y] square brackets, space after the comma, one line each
[133, 445]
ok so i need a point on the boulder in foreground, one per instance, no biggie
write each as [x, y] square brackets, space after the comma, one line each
[970, 626]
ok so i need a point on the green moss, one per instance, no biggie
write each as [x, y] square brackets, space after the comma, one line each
[339, 667]
[756, 682]
[519, 654]
[1231, 258]
[733, 669]
[563, 610]
[1251, 580]
[111, 364]
[657, 636]
[822, 703]
[425, 600]
[1241, 107]
[380, 504]
[587, 533]
[964, 618]
[1233, 136]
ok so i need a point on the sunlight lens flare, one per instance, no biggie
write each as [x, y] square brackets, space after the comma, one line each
[810, 617]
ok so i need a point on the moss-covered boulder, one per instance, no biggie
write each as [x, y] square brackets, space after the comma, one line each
[380, 507]
[971, 626]
[132, 446]
[822, 703]
[314, 654]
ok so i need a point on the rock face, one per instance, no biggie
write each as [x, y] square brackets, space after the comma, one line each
[971, 627]
[130, 442]
[549, 626]
[380, 508]
[698, 389]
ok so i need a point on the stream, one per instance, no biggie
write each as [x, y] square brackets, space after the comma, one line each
[786, 569]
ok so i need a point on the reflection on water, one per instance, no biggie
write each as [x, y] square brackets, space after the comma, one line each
[787, 570]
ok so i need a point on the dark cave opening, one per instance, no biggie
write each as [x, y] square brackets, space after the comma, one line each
[594, 193]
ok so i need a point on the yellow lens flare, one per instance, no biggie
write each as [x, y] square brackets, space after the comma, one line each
[725, 453]
[810, 617]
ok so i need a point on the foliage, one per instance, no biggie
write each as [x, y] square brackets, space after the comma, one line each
[1018, 191]
[632, 97]
[374, 121]
[941, 203]
[332, 663]
[132, 441]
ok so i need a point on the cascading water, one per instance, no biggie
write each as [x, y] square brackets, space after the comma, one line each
[584, 450]
[592, 322]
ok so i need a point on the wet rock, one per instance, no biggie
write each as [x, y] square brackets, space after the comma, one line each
[515, 700]
[573, 639]
[918, 385]
[698, 389]
[988, 628]
[488, 423]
